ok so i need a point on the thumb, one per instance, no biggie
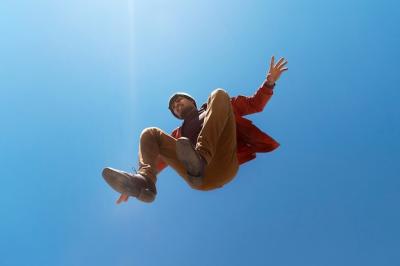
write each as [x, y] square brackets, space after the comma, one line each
[123, 197]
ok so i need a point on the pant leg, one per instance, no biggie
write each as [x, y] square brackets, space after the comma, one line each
[217, 141]
[155, 144]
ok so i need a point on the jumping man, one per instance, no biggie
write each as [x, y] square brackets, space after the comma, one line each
[208, 147]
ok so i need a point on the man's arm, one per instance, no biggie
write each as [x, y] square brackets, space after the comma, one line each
[248, 105]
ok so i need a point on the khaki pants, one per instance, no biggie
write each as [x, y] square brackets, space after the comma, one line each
[216, 143]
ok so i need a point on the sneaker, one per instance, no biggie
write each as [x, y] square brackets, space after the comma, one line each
[192, 161]
[135, 185]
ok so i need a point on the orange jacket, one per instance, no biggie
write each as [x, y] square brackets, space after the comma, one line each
[250, 139]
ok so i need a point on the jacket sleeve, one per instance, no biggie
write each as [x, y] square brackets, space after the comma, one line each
[244, 105]
[160, 164]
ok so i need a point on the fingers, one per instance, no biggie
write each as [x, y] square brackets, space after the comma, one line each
[276, 70]
[271, 64]
[283, 69]
[282, 64]
[123, 197]
[279, 62]
[279, 65]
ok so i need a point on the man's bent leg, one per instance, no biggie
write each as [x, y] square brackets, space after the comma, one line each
[219, 110]
[217, 141]
[224, 164]
[156, 144]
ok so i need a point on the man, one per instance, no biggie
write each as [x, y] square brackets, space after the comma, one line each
[207, 149]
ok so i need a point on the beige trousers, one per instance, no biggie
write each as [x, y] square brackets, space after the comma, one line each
[216, 143]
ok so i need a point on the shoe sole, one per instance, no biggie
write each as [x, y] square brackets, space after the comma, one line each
[121, 183]
[187, 155]
[118, 181]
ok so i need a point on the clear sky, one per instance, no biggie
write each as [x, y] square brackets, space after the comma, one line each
[80, 80]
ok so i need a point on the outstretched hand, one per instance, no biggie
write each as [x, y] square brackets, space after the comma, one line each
[275, 70]
[123, 198]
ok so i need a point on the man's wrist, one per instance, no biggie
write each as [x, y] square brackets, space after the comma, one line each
[269, 83]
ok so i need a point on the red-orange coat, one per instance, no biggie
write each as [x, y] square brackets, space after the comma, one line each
[250, 139]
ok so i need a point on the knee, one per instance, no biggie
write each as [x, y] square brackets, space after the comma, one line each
[220, 94]
[150, 131]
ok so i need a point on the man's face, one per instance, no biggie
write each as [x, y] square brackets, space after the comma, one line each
[182, 106]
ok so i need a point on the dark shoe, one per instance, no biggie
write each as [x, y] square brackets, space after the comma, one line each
[192, 161]
[134, 185]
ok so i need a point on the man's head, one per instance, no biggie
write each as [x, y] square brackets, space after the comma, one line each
[181, 104]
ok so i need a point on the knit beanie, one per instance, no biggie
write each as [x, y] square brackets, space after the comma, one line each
[177, 94]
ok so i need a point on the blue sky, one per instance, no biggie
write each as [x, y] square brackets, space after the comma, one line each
[79, 82]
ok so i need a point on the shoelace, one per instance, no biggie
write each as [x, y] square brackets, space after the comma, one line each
[134, 169]
[151, 187]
